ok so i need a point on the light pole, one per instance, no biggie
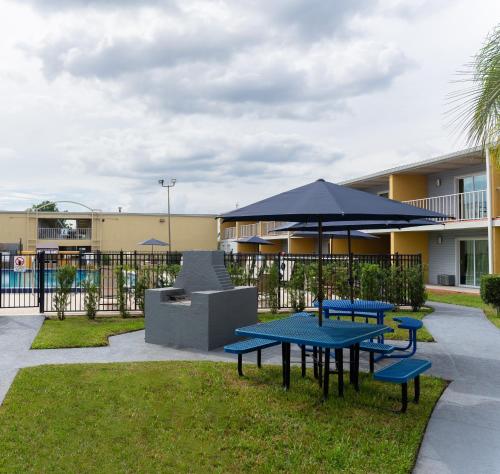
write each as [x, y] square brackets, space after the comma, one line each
[161, 182]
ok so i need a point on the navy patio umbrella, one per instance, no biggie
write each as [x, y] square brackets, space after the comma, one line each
[322, 201]
[348, 229]
[254, 239]
[153, 242]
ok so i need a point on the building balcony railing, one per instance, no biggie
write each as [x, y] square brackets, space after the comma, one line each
[49, 233]
[268, 228]
[248, 230]
[229, 233]
[460, 206]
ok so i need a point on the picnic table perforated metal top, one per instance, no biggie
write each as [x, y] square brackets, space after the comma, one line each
[298, 329]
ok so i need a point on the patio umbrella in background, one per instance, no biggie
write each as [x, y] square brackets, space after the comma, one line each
[153, 242]
[349, 229]
[321, 202]
[255, 239]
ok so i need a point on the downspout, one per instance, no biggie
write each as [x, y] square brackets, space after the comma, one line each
[489, 211]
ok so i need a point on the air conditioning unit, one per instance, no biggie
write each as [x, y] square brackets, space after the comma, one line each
[446, 280]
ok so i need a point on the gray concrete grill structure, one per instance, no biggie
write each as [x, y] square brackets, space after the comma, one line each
[202, 309]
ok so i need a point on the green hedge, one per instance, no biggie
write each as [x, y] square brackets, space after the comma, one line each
[490, 290]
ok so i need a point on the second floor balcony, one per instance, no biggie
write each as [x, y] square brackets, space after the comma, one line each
[58, 233]
[471, 205]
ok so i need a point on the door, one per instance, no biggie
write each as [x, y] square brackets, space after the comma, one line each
[473, 261]
[472, 198]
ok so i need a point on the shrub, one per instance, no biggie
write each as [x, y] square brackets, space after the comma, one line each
[65, 276]
[341, 284]
[274, 287]
[142, 283]
[416, 286]
[311, 279]
[92, 294]
[371, 281]
[393, 285]
[490, 290]
[121, 291]
[297, 288]
[237, 274]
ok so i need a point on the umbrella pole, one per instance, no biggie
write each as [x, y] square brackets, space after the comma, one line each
[320, 272]
[351, 279]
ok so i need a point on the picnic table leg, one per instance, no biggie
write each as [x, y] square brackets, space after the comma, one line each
[339, 360]
[315, 362]
[259, 358]
[283, 362]
[286, 365]
[240, 365]
[320, 366]
[356, 367]
[303, 360]
[351, 365]
[404, 397]
[326, 382]
[417, 389]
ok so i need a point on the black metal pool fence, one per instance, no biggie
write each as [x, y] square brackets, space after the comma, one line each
[122, 277]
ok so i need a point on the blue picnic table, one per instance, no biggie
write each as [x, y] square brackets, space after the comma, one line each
[366, 308]
[303, 329]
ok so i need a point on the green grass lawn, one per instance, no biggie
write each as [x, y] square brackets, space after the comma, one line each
[398, 334]
[201, 417]
[79, 331]
[465, 299]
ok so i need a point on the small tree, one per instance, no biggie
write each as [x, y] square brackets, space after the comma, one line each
[311, 275]
[92, 294]
[297, 288]
[490, 291]
[273, 287]
[371, 281]
[65, 276]
[416, 286]
[121, 291]
[393, 285]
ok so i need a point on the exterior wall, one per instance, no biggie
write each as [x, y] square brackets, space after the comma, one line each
[448, 180]
[277, 247]
[403, 187]
[381, 245]
[188, 232]
[444, 257]
[117, 231]
[304, 245]
[246, 248]
[496, 250]
[411, 243]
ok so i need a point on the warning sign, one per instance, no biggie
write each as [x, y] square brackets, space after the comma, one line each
[19, 263]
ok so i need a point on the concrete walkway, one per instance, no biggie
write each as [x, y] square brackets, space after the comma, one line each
[463, 435]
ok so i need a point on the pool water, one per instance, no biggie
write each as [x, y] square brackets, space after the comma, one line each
[29, 279]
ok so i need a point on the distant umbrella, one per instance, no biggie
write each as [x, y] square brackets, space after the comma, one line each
[255, 239]
[348, 229]
[154, 242]
[320, 202]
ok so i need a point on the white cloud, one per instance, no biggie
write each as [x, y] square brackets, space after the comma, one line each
[236, 99]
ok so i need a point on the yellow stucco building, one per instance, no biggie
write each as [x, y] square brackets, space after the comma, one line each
[104, 231]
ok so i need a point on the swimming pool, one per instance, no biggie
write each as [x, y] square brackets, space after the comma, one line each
[12, 281]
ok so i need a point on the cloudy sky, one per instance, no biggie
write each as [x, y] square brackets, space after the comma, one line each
[237, 99]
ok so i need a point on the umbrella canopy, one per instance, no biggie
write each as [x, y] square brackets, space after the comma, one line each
[322, 201]
[353, 225]
[153, 242]
[336, 234]
[254, 239]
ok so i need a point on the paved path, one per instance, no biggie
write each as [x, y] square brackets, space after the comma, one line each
[463, 435]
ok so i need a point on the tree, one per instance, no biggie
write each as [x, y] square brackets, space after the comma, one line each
[49, 206]
[476, 108]
[45, 206]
